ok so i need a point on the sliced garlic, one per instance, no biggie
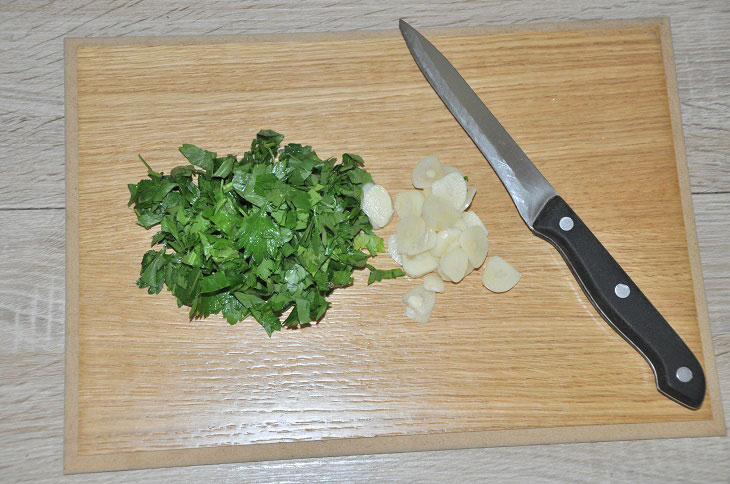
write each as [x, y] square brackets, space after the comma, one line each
[451, 188]
[409, 203]
[427, 171]
[393, 250]
[470, 192]
[417, 316]
[471, 219]
[366, 188]
[454, 264]
[414, 297]
[452, 169]
[419, 265]
[377, 205]
[499, 275]
[419, 303]
[439, 213]
[475, 243]
[469, 269]
[460, 224]
[454, 243]
[411, 233]
[434, 283]
[444, 240]
[429, 240]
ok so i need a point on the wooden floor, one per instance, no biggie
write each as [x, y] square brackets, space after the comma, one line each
[32, 213]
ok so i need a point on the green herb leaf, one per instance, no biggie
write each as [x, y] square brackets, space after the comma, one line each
[225, 168]
[260, 236]
[198, 157]
[214, 282]
[371, 242]
[377, 275]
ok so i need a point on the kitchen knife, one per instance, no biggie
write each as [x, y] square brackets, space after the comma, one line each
[615, 296]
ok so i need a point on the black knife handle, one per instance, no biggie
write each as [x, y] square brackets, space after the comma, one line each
[677, 372]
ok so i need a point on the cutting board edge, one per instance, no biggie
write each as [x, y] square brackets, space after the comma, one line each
[388, 444]
[71, 332]
[690, 228]
[155, 40]
[74, 463]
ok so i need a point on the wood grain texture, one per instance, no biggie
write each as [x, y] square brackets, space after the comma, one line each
[594, 101]
[31, 359]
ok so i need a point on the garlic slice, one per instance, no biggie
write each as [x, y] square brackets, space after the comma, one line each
[419, 303]
[439, 213]
[454, 264]
[411, 234]
[393, 250]
[499, 275]
[434, 283]
[419, 265]
[471, 219]
[451, 188]
[475, 243]
[409, 203]
[444, 240]
[377, 205]
[427, 171]
[452, 169]
[470, 192]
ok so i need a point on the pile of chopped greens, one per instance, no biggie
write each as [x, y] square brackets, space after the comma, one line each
[278, 228]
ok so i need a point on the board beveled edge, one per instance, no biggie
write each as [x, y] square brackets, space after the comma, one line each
[75, 463]
[347, 35]
[387, 444]
[690, 228]
[71, 331]
[71, 349]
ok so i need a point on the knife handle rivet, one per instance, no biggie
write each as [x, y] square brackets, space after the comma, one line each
[684, 374]
[566, 223]
[622, 291]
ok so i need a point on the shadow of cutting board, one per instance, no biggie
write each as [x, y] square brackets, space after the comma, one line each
[593, 104]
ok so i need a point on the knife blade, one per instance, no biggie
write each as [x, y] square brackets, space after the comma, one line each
[677, 373]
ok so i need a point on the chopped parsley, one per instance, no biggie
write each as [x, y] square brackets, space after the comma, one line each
[277, 229]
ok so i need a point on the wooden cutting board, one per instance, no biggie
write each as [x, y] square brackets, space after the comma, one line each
[593, 104]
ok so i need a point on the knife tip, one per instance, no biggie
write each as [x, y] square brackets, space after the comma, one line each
[402, 24]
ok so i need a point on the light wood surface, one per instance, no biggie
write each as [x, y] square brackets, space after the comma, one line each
[145, 387]
[31, 365]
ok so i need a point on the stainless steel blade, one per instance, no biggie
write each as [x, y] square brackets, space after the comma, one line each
[524, 182]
